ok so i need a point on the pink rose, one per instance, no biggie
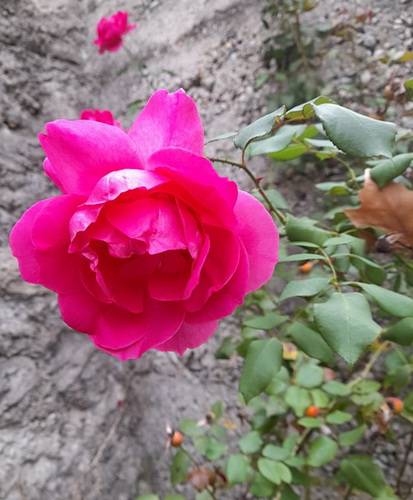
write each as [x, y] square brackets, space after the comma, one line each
[110, 31]
[148, 246]
[96, 115]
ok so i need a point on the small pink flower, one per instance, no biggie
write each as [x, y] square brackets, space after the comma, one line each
[96, 115]
[110, 31]
[147, 246]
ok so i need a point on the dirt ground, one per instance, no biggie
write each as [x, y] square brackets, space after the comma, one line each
[76, 423]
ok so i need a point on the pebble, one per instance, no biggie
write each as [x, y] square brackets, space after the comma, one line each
[369, 41]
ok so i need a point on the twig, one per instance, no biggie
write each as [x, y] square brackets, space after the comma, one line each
[348, 492]
[370, 364]
[256, 182]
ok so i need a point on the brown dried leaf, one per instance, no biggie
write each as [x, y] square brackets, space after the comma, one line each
[389, 209]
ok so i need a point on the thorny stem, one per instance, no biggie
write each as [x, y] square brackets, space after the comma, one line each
[370, 364]
[330, 265]
[296, 32]
[211, 491]
[403, 465]
[256, 182]
[350, 170]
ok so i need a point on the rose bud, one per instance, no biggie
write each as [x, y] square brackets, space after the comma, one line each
[96, 115]
[111, 30]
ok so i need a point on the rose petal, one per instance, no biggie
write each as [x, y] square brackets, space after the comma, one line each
[259, 234]
[80, 311]
[109, 188]
[216, 195]
[51, 226]
[168, 120]
[225, 301]
[39, 241]
[130, 335]
[82, 151]
[152, 220]
[219, 266]
[189, 336]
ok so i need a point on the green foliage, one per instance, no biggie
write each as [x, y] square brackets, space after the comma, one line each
[345, 323]
[263, 361]
[336, 298]
[356, 134]
[362, 473]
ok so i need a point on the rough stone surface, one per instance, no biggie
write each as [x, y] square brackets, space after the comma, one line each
[76, 423]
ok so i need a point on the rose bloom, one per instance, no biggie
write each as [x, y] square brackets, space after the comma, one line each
[147, 246]
[110, 31]
[96, 115]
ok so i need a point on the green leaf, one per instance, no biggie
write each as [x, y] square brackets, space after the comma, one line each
[204, 495]
[302, 229]
[408, 85]
[275, 406]
[209, 447]
[309, 376]
[350, 438]
[338, 417]
[374, 272]
[174, 496]
[336, 388]
[310, 422]
[180, 467]
[260, 128]
[276, 472]
[345, 323]
[323, 144]
[301, 256]
[400, 333]
[250, 443]
[280, 140]
[191, 428]
[298, 399]
[398, 378]
[275, 452]
[261, 487]
[218, 409]
[387, 170]
[362, 473]
[320, 398]
[289, 494]
[306, 109]
[263, 361]
[391, 302]
[311, 342]
[343, 239]
[266, 322]
[408, 403]
[356, 134]
[289, 153]
[219, 432]
[226, 349]
[304, 288]
[236, 470]
[147, 496]
[322, 451]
